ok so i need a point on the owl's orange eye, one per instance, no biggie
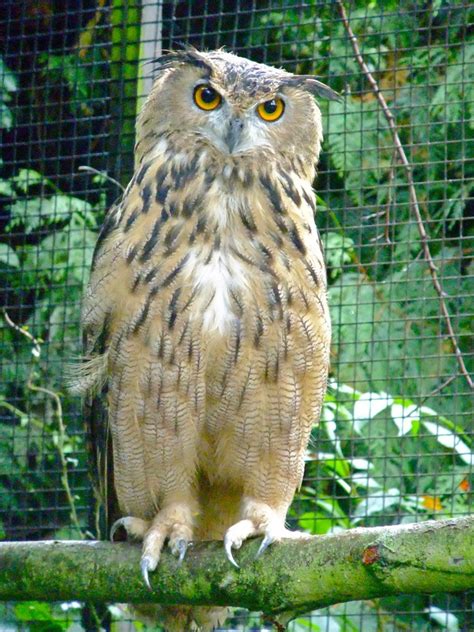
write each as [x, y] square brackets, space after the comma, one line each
[206, 97]
[271, 110]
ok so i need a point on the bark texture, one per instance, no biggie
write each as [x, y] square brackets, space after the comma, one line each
[289, 579]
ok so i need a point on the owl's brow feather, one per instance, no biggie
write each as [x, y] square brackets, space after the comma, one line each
[188, 56]
[192, 56]
[312, 85]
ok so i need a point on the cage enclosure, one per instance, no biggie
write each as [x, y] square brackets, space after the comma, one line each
[394, 194]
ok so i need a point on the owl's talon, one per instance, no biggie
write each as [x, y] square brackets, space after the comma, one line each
[228, 551]
[135, 528]
[179, 548]
[146, 564]
[267, 540]
[115, 527]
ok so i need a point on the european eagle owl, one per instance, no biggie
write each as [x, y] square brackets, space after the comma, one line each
[205, 318]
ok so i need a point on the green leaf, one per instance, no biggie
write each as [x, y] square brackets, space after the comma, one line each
[6, 188]
[363, 480]
[377, 502]
[361, 464]
[37, 212]
[445, 620]
[40, 617]
[368, 406]
[404, 417]
[8, 80]
[64, 256]
[316, 522]
[9, 256]
[339, 250]
[27, 178]
[6, 117]
[450, 440]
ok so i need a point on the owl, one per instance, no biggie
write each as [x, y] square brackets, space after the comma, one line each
[205, 318]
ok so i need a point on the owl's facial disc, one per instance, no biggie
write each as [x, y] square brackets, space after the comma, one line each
[233, 130]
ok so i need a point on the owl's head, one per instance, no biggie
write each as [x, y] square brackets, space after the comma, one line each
[232, 106]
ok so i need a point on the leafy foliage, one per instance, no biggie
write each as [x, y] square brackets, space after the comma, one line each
[8, 85]
[45, 282]
[389, 448]
[381, 298]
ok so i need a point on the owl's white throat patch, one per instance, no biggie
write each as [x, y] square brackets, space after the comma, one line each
[216, 273]
[214, 282]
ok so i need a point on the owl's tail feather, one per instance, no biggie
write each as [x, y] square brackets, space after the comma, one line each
[88, 375]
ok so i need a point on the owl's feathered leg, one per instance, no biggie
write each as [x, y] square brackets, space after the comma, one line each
[259, 518]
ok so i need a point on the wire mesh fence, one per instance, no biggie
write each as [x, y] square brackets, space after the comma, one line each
[395, 440]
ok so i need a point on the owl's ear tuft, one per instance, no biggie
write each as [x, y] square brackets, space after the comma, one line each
[312, 85]
[188, 55]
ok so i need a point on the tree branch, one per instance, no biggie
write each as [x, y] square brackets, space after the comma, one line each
[411, 189]
[295, 577]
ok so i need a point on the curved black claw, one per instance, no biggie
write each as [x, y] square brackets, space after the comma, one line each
[228, 552]
[145, 566]
[114, 528]
[267, 540]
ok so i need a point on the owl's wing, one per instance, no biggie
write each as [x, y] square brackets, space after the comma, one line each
[142, 342]
[89, 379]
[104, 508]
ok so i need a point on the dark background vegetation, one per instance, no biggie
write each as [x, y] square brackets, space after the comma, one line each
[395, 441]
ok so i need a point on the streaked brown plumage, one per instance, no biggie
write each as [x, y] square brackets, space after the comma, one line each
[206, 312]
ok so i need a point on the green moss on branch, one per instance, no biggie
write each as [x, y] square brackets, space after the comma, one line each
[293, 576]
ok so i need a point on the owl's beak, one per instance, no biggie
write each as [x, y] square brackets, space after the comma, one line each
[233, 133]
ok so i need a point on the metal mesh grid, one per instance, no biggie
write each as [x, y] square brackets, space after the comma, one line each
[395, 442]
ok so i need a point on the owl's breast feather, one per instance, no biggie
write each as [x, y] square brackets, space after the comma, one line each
[215, 281]
[214, 269]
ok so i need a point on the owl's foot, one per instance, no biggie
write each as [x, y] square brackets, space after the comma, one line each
[173, 523]
[261, 520]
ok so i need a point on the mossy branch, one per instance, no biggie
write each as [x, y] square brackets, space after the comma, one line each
[295, 577]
